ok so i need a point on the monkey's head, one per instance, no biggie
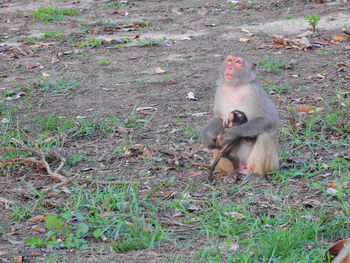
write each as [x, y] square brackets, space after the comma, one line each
[238, 117]
[238, 70]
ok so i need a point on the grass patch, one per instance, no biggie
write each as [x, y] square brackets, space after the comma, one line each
[53, 14]
[149, 42]
[57, 88]
[51, 34]
[95, 42]
[272, 65]
[105, 62]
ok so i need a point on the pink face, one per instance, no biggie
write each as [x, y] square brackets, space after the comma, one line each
[233, 66]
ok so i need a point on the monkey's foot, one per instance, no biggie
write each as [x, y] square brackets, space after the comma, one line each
[231, 179]
[243, 169]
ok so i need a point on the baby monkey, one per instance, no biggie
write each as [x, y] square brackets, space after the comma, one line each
[235, 118]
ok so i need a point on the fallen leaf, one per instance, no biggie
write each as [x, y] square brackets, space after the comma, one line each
[235, 215]
[38, 229]
[294, 76]
[160, 71]
[302, 44]
[121, 12]
[340, 38]
[246, 39]
[203, 12]
[123, 130]
[95, 31]
[37, 218]
[145, 110]
[336, 134]
[45, 75]
[19, 78]
[304, 108]
[244, 30]
[197, 173]
[31, 66]
[148, 154]
[325, 166]
[333, 185]
[54, 60]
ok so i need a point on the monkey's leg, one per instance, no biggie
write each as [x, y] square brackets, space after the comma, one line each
[264, 156]
[232, 175]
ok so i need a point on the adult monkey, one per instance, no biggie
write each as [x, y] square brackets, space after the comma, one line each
[239, 89]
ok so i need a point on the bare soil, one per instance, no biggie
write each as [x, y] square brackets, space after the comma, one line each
[198, 35]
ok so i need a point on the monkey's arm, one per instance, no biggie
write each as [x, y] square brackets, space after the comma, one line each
[249, 129]
[210, 131]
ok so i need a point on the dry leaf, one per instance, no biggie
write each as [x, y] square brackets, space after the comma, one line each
[45, 75]
[31, 66]
[299, 44]
[95, 31]
[235, 215]
[336, 134]
[333, 185]
[304, 108]
[340, 38]
[325, 166]
[148, 154]
[198, 173]
[38, 229]
[246, 39]
[145, 110]
[160, 71]
[244, 30]
[54, 60]
[37, 218]
[123, 130]
[294, 76]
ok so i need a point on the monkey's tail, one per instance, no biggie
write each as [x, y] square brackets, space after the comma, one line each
[265, 154]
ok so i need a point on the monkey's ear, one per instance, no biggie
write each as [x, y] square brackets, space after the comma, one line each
[254, 65]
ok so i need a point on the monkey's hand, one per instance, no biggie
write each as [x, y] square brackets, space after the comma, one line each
[210, 132]
[228, 137]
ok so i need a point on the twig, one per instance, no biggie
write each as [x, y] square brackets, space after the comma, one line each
[179, 156]
[104, 182]
[6, 201]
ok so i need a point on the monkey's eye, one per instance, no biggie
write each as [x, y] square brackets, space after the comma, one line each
[238, 61]
[229, 60]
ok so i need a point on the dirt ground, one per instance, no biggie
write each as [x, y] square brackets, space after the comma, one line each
[193, 39]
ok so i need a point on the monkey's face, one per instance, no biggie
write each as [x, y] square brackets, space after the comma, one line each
[233, 66]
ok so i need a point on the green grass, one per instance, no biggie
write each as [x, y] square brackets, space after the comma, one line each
[105, 62]
[289, 17]
[313, 21]
[30, 40]
[53, 14]
[57, 87]
[272, 65]
[149, 42]
[95, 42]
[51, 34]
[279, 89]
